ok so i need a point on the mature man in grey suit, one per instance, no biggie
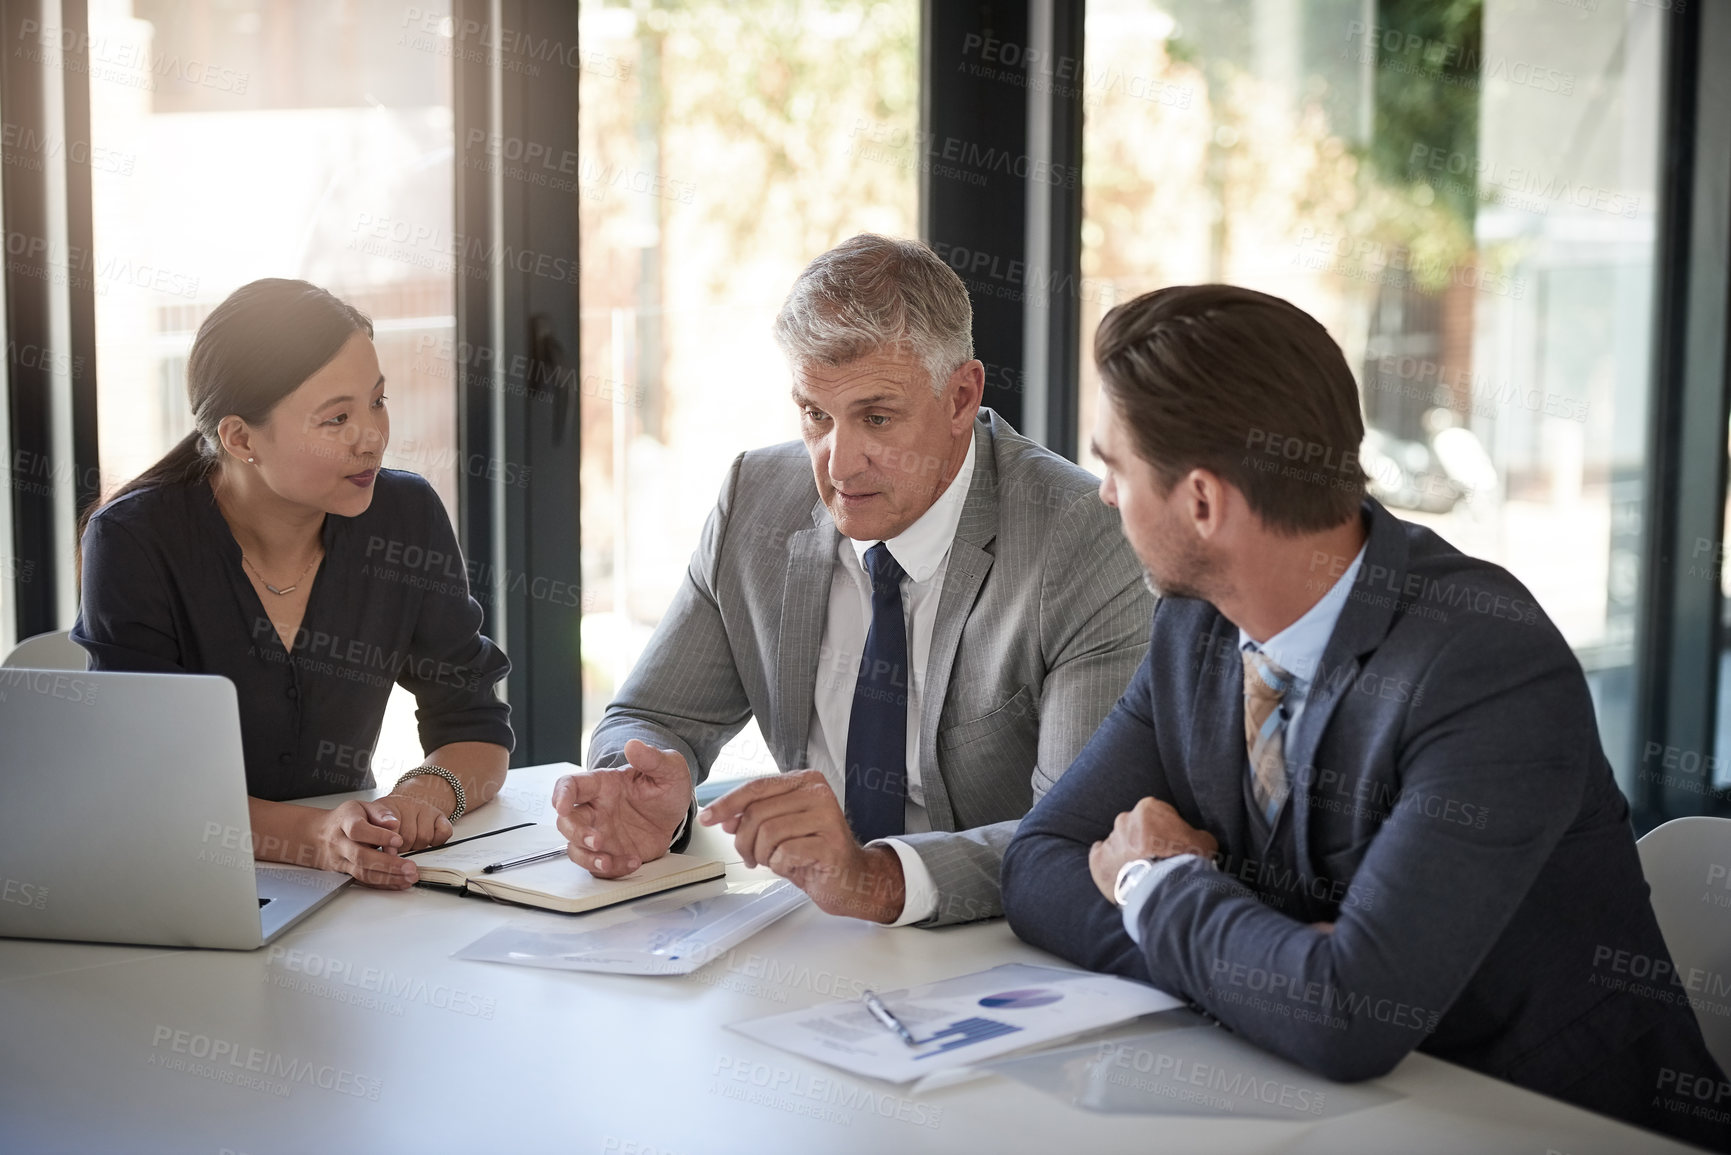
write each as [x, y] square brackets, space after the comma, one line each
[1354, 802]
[927, 613]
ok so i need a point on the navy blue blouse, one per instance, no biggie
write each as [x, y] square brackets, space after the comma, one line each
[164, 592]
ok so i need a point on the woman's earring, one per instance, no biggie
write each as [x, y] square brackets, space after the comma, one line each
[252, 461]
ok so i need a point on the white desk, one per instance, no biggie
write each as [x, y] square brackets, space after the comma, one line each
[478, 1057]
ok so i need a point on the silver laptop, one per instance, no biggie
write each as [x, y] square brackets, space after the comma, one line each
[123, 815]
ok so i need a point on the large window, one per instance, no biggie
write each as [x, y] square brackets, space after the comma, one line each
[1465, 195]
[723, 145]
[231, 142]
[246, 139]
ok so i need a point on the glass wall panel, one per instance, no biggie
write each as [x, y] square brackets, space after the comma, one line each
[238, 139]
[1464, 194]
[723, 145]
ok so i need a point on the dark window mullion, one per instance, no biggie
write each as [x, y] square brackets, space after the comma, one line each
[516, 350]
[35, 468]
[81, 288]
[1680, 639]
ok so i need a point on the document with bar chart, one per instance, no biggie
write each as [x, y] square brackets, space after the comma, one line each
[959, 1021]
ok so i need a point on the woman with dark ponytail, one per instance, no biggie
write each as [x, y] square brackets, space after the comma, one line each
[270, 547]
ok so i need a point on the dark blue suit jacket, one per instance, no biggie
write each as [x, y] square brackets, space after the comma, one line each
[1452, 814]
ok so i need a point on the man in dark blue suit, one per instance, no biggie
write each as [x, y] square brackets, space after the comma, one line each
[1353, 802]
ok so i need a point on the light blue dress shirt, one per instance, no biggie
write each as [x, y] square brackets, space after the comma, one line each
[1298, 650]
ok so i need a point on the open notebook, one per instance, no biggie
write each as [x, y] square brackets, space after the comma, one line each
[557, 883]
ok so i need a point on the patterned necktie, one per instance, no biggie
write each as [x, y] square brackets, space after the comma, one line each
[1265, 685]
[877, 730]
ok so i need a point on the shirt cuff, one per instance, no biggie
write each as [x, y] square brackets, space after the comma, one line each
[1143, 892]
[680, 833]
[920, 893]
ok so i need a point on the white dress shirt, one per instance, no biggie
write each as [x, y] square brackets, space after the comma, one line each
[1298, 650]
[923, 552]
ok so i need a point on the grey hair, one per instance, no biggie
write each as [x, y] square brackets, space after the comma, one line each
[871, 293]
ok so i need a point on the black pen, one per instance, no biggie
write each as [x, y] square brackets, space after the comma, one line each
[470, 838]
[882, 1014]
[524, 861]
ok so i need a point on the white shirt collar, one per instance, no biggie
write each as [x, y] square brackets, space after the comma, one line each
[1298, 649]
[921, 547]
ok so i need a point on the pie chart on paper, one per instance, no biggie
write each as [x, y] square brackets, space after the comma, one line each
[1022, 999]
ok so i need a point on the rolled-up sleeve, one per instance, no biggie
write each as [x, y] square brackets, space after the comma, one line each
[453, 669]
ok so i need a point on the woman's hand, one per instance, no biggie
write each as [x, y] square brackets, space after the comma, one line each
[361, 839]
[423, 806]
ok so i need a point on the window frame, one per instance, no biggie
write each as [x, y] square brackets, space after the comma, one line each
[514, 535]
[517, 405]
[1680, 632]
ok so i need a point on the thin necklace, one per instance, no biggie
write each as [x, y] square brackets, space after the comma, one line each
[285, 591]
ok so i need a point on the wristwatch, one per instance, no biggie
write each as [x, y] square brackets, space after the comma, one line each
[1128, 876]
[441, 772]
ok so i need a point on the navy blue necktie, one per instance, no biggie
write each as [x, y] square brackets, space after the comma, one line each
[877, 730]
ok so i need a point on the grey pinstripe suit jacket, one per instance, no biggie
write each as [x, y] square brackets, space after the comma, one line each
[1042, 620]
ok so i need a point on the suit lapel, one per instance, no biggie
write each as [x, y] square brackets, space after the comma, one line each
[965, 573]
[1332, 681]
[1364, 622]
[811, 555]
[1218, 758]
